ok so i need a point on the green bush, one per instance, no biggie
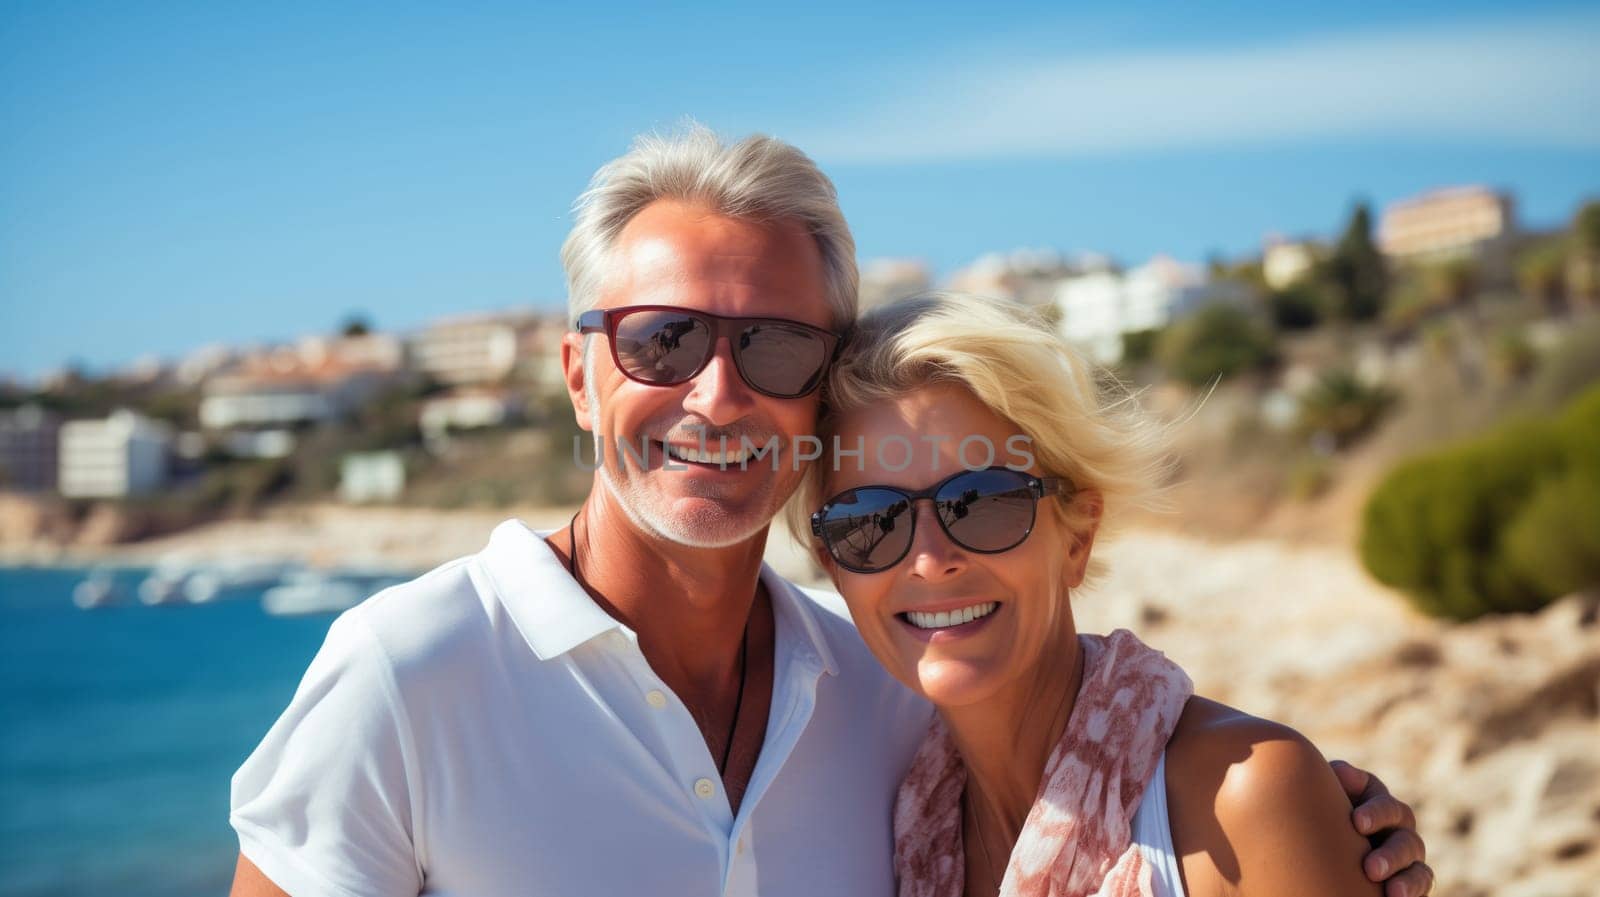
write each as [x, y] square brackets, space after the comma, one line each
[1342, 406]
[1504, 523]
[1139, 346]
[1554, 542]
[1300, 306]
[1217, 341]
[1542, 272]
[1451, 283]
[1580, 431]
[1586, 226]
[1407, 309]
[1512, 356]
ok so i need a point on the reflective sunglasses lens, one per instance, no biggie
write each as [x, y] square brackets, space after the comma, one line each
[781, 359]
[987, 510]
[661, 346]
[868, 529]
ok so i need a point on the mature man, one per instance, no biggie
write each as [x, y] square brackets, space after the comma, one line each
[633, 704]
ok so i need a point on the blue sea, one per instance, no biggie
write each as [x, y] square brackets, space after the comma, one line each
[120, 728]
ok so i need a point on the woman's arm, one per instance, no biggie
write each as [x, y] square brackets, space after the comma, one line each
[1255, 810]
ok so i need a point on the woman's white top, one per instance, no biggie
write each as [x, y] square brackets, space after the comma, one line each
[1153, 834]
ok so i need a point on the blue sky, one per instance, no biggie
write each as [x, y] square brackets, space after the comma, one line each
[173, 175]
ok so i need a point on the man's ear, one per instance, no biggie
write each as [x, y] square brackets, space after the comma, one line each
[572, 370]
[1084, 510]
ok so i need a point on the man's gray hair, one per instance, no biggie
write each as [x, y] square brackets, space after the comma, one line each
[758, 178]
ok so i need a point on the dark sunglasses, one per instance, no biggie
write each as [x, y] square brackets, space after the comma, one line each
[869, 529]
[663, 345]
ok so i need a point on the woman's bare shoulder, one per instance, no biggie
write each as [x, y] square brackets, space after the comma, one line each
[1239, 752]
[1255, 808]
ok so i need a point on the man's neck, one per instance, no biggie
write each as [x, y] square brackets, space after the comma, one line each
[689, 606]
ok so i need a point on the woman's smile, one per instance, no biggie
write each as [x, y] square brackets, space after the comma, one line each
[945, 625]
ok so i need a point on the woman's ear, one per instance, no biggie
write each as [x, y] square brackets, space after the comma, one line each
[1084, 512]
[824, 560]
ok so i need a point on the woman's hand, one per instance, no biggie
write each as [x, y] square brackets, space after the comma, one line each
[1398, 861]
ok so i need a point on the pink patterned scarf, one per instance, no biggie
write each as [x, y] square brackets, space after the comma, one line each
[1076, 841]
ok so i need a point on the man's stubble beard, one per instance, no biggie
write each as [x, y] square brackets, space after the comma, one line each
[638, 503]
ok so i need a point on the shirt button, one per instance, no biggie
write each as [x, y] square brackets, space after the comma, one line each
[705, 788]
[741, 846]
[656, 698]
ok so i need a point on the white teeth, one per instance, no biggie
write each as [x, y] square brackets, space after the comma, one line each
[943, 619]
[689, 453]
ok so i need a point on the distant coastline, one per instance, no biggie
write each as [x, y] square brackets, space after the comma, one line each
[328, 536]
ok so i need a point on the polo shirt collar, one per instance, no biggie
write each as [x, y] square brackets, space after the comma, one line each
[556, 615]
[551, 609]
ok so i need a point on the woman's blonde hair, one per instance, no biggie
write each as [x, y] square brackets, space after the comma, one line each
[1082, 423]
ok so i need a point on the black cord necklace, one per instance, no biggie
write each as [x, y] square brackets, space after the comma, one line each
[744, 642]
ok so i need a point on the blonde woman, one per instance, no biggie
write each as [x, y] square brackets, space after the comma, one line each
[1059, 763]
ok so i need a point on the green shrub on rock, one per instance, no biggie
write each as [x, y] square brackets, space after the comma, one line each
[1219, 340]
[1507, 522]
[1554, 542]
[1343, 406]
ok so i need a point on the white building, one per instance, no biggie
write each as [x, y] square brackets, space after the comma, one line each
[1457, 223]
[259, 443]
[890, 280]
[281, 389]
[371, 477]
[1029, 276]
[367, 351]
[124, 454]
[538, 364]
[467, 408]
[202, 363]
[1454, 222]
[146, 370]
[1286, 262]
[242, 401]
[1098, 308]
[475, 349]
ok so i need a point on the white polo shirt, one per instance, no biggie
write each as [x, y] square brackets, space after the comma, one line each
[486, 730]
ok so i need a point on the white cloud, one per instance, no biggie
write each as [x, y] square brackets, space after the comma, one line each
[1529, 82]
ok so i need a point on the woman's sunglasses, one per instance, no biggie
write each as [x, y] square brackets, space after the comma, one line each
[663, 345]
[869, 529]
